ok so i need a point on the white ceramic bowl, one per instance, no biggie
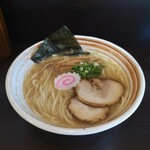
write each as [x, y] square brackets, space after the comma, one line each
[22, 63]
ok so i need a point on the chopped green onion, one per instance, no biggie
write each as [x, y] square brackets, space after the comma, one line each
[88, 70]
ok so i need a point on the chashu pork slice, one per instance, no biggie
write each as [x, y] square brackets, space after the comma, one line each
[99, 92]
[87, 113]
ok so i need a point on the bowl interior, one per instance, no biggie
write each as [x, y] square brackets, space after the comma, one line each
[134, 74]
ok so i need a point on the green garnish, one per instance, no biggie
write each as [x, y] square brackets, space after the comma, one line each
[88, 70]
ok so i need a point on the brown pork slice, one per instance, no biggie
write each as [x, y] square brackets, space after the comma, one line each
[99, 92]
[87, 113]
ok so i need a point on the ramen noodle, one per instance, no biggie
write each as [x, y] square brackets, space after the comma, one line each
[50, 104]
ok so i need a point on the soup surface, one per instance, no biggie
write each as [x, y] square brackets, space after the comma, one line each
[50, 104]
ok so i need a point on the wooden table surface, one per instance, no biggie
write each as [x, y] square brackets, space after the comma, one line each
[134, 133]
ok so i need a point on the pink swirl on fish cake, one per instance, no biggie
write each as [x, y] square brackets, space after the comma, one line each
[66, 81]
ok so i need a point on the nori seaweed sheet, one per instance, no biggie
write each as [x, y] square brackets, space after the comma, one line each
[60, 42]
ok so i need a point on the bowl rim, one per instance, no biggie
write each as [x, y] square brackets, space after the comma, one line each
[79, 131]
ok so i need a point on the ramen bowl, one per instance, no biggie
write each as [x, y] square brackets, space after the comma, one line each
[134, 76]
